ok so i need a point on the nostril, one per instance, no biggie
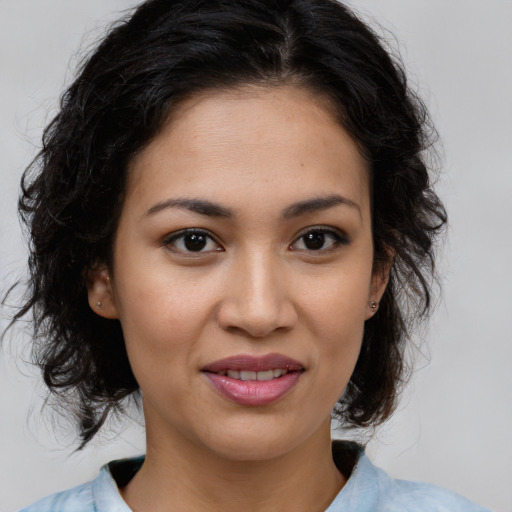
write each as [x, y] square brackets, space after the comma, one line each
[251, 332]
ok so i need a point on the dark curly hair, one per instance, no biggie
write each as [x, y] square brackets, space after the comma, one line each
[167, 50]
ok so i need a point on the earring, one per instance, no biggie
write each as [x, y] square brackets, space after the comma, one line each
[374, 306]
[98, 304]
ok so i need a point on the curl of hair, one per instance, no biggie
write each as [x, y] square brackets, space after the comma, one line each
[72, 193]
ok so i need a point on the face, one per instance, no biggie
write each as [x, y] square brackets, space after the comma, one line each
[242, 272]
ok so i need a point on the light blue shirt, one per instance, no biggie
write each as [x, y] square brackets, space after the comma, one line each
[369, 489]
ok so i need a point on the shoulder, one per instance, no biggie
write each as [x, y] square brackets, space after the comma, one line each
[78, 499]
[100, 495]
[406, 495]
[370, 489]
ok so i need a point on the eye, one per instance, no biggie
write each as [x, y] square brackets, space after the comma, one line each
[320, 239]
[192, 241]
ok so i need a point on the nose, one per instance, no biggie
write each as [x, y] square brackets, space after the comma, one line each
[257, 301]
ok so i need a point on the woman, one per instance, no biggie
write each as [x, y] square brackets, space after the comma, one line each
[231, 216]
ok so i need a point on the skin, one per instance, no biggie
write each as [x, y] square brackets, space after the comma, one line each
[256, 288]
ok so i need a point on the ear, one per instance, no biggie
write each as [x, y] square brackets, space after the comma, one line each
[100, 293]
[380, 279]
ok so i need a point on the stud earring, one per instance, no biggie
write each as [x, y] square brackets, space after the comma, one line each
[98, 304]
[374, 306]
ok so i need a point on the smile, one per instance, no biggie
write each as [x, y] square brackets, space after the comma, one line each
[254, 381]
[248, 375]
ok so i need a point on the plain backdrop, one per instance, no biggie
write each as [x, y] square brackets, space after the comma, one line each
[454, 424]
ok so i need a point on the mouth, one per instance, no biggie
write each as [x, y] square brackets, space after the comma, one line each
[249, 375]
[254, 381]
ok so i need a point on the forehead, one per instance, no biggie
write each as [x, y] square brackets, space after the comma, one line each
[262, 140]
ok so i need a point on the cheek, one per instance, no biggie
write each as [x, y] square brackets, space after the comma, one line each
[339, 332]
[161, 323]
[335, 310]
[337, 305]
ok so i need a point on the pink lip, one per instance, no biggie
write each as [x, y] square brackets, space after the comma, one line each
[254, 393]
[254, 363]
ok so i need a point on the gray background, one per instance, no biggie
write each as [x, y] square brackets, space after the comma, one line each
[454, 423]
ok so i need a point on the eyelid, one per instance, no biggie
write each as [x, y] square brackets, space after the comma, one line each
[340, 239]
[339, 235]
[175, 235]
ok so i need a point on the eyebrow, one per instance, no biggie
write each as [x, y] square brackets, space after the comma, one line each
[201, 206]
[210, 209]
[317, 204]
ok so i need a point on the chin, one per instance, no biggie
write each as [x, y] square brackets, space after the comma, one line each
[256, 441]
[252, 448]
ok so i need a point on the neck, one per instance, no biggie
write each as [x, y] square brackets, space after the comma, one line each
[183, 477]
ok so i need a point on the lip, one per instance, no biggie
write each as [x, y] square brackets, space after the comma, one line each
[254, 363]
[253, 392]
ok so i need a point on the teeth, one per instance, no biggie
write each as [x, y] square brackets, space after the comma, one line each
[266, 375]
[251, 375]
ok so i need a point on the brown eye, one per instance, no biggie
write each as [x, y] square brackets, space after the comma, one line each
[320, 239]
[195, 241]
[314, 240]
[192, 241]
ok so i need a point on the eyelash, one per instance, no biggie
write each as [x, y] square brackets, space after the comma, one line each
[180, 235]
[337, 238]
